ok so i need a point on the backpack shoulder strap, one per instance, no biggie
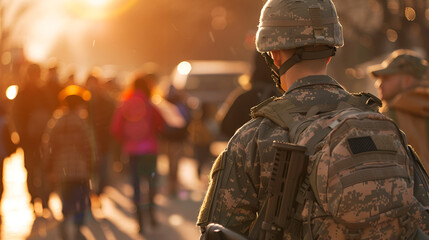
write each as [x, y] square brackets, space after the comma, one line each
[365, 101]
[275, 109]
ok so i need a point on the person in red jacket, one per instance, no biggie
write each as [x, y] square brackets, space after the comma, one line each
[136, 124]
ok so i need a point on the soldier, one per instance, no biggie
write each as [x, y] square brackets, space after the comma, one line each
[298, 39]
[402, 86]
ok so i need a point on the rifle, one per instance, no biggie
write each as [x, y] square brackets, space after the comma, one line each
[289, 170]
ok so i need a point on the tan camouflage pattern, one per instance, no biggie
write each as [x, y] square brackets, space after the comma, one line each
[371, 206]
[240, 176]
[287, 24]
[401, 61]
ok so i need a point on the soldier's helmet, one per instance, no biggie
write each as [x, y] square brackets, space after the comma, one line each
[298, 24]
[288, 24]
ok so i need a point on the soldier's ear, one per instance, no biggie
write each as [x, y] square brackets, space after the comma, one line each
[277, 57]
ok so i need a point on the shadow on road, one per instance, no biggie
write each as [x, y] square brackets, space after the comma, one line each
[115, 217]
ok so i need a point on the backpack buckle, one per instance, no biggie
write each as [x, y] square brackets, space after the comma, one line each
[407, 225]
[271, 227]
[372, 99]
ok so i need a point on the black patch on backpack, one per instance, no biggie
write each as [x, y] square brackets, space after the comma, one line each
[361, 144]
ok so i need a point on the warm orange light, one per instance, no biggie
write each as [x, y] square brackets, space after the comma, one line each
[175, 220]
[75, 90]
[15, 208]
[99, 9]
[98, 3]
[244, 81]
[410, 14]
[392, 35]
[11, 92]
[6, 58]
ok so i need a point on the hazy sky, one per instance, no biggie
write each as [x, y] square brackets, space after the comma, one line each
[129, 33]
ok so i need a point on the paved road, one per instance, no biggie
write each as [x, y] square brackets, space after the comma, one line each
[113, 214]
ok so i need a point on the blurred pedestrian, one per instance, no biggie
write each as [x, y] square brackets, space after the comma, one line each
[404, 88]
[31, 111]
[201, 137]
[7, 147]
[101, 108]
[136, 124]
[69, 152]
[235, 111]
[176, 135]
[52, 86]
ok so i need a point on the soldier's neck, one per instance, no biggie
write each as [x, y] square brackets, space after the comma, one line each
[297, 72]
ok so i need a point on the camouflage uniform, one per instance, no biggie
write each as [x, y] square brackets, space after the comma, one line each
[240, 175]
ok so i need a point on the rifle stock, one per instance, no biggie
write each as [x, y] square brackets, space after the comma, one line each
[289, 170]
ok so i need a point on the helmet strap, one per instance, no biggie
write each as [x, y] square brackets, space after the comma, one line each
[274, 71]
[299, 55]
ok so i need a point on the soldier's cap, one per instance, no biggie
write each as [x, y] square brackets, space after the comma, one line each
[401, 61]
[74, 90]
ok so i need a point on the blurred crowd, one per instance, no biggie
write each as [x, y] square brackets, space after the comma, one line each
[72, 134]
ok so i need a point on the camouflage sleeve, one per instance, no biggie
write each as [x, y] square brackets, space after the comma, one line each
[231, 199]
[239, 177]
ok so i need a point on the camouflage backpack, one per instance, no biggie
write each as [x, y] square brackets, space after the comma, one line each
[360, 176]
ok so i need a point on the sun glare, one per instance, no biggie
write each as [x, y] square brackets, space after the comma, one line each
[99, 9]
[98, 3]
[16, 210]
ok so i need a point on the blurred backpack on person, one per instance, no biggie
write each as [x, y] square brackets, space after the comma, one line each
[200, 134]
[176, 114]
[360, 178]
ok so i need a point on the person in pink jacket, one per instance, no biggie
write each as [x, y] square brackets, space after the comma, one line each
[136, 124]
